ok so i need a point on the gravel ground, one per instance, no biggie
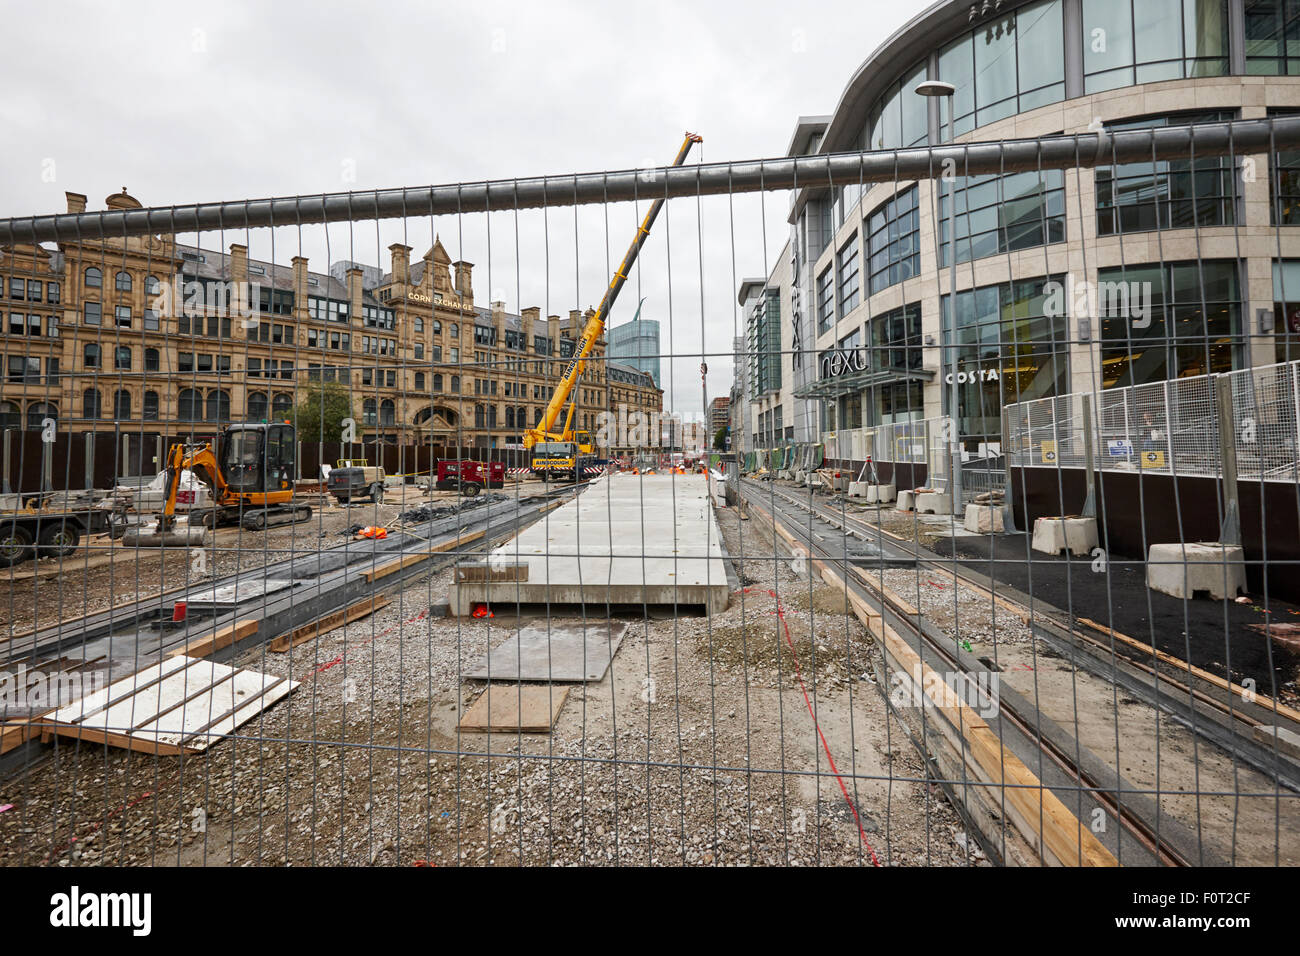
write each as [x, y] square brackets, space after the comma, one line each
[696, 748]
[86, 584]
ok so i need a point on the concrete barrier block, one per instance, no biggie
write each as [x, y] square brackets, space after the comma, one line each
[881, 494]
[934, 502]
[1181, 570]
[1054, 535]
[906, 500]
[984, 519]
[858, 489]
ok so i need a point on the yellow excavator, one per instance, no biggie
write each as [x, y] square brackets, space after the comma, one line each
[560, 452]
[250, 473]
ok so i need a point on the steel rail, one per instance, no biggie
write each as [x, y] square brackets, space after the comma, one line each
[1067, 151]
[1184, 683]
[1136, 826]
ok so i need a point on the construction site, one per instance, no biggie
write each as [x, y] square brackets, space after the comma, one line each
[959, 527]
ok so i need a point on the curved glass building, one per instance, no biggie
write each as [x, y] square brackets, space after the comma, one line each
[1206, 252]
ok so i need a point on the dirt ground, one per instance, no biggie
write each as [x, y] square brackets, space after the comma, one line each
[699, 746]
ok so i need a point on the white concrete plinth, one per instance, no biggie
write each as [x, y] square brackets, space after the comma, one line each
[858, 489]
[934, 502]
[800, 476]
[1180, 570]
[881, 494]
[1054, 535]
[590, 551]
[906, 500]
[984, 519]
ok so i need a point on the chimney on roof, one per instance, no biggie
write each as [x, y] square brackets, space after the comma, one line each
[530, 316]
[355, 288]
[238, 262]
[499, 320]
[300, 287]
[464, 280]
[401, 262]
[76, 202]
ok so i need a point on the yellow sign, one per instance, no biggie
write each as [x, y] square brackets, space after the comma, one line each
[1049, 452]
[1153, 459]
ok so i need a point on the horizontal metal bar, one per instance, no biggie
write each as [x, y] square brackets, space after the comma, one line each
[837, 169]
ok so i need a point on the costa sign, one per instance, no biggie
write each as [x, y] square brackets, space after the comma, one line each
[969, 378]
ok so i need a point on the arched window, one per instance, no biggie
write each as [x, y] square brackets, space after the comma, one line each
[538, 419]
[455, 383]
[218, 405]
[510, 416]
[10, 416]
[419, 324]
[150, 413]
[492, 416]
[122, 405]
[258, 406]
[387, 412]
[419, 381]
[280, 406]
[189, 405]
[437, 327]
[152, 286]
[480, 417]
[37, 412]
[151, 360]
[123, 282]
[369, 413]
[455, 330]
[90, 403]
[94, 278]
[437, 383]
[122, 358]
[521, 417]
[90, 355]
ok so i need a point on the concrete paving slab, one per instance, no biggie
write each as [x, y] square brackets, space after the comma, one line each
[515, 709]
[558, 654]
[626, 540]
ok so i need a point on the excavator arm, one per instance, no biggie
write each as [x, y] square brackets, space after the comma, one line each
[596, 324]
[197, 459]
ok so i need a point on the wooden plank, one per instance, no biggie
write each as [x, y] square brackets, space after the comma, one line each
[1267, 703]
[211, 643]
[114, 739]
[15, 733]
[406, 560]
[329, 622]
[1025, 798]
[515, 709]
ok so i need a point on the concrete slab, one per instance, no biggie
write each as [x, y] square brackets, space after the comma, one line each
[1180, 570]
[515, 709]
[226, 596]
[560, 654]
[626, 539]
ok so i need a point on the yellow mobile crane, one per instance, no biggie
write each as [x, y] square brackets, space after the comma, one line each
[559, 452]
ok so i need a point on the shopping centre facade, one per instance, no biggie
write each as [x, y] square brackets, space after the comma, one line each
[1076, 280]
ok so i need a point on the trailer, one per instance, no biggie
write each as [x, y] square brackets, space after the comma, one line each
[44, 531]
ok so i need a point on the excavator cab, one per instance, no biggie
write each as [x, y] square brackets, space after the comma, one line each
[258, 459]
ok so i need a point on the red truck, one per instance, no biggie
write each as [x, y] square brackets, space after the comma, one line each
[469, 477]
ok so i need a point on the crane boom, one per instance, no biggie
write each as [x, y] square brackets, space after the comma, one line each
[596, 324]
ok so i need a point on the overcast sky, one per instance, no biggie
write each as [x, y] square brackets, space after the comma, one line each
[222, 101]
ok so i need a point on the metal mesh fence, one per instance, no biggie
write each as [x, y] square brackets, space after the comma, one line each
[321, 548]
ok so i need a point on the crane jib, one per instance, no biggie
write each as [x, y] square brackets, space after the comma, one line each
[596, 325]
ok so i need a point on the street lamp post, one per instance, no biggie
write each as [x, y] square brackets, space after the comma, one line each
[938, 88]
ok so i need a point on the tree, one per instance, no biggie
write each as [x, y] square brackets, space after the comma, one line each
[720, 439]
[321, 410]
